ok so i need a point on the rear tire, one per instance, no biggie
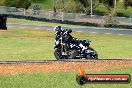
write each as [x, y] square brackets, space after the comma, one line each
[95, 57]
[92, 57]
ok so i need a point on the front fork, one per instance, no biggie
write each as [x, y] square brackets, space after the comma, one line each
[63, 49]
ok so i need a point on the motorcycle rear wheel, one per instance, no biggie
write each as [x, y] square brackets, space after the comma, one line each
[92, 57]
[95, 57]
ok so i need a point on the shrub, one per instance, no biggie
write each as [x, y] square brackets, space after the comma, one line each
[36, 9]
[18, 3]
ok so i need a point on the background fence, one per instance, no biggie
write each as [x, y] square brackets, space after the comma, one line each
[77, 17]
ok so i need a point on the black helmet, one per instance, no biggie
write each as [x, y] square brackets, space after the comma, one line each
[57, 28]
[69, 30]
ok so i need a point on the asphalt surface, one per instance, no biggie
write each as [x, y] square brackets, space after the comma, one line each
[89, 30]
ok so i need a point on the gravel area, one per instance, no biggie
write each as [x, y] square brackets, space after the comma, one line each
[60, 66]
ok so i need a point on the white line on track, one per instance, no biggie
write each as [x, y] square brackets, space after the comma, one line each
[37, 28]
[48, 29]
[10, 26]
[79, 31]
[94, 32]
[121, 34]
[107, 33]
[22, 27]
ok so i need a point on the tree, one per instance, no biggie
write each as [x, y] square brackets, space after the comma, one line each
[55, 6]
[18, 3]
[127, 3]
[87, 5]
[110, 5]
[63, 7]
[36, 9]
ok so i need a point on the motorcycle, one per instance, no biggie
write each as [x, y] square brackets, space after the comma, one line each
[68, 47]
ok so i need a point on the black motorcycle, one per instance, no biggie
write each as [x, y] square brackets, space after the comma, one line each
[68, 47]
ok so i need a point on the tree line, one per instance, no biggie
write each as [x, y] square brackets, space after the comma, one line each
[109, 4]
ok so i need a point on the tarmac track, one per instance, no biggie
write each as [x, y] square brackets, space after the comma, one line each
[88, 30]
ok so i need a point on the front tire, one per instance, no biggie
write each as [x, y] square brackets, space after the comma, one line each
[58, 55]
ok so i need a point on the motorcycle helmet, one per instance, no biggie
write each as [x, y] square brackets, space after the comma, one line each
[69, 31]
[66, 31]
[57, 28]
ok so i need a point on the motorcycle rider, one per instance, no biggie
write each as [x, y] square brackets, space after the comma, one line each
[66, 38]
[58, 31]
[71, 41]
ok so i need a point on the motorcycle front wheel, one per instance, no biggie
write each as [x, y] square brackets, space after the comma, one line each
[58, 55]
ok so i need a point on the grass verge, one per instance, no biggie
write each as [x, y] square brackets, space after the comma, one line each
[58, 80]
[23, 21]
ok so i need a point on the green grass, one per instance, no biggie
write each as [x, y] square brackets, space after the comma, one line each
[46, 4]
[110, 46]
[23, 21]
[21, 44]
[30, 44]
[123, 12]
[58, 80]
